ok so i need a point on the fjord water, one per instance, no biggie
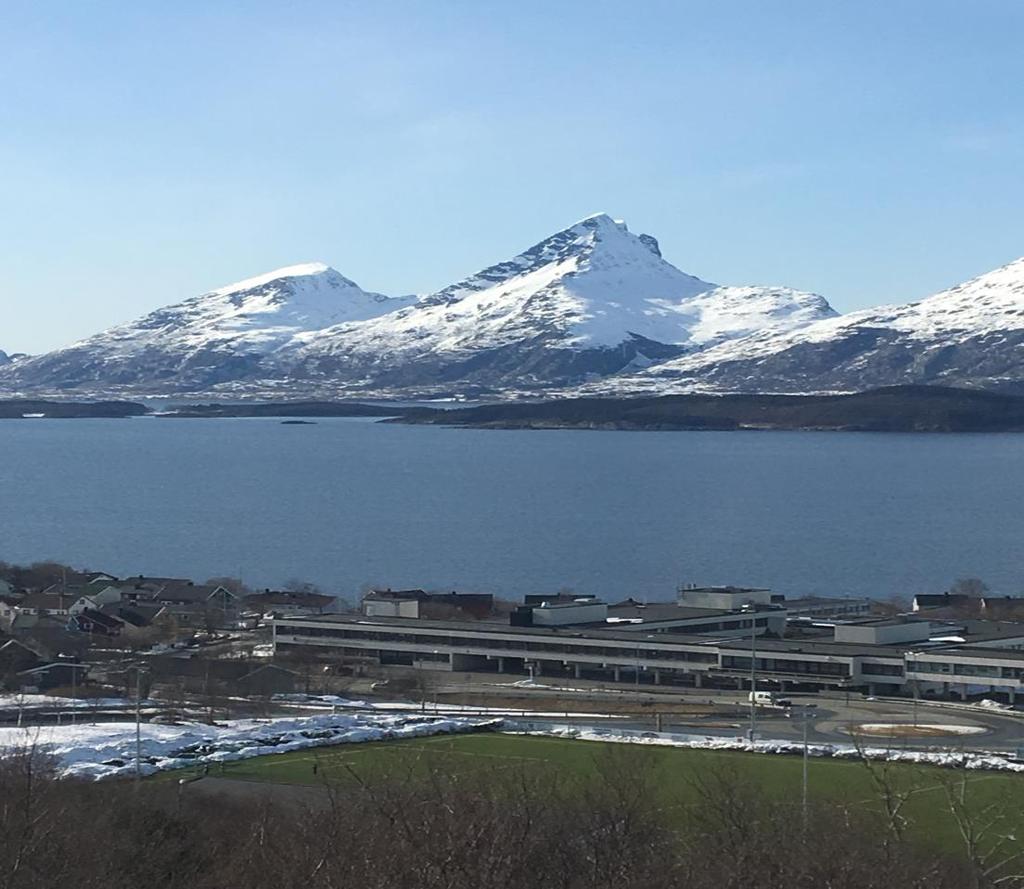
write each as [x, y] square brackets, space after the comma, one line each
[350, 503]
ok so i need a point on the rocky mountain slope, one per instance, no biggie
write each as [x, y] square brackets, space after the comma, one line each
[590, 301]
[969, 335]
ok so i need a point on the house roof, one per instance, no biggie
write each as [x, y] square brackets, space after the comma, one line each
[140, 615]
[75, 580]
[288, 597]
[190, 593]
[940, 599]
[101, 619]
[417, 595]
[23, 644]
[144, 580]
[273, 668]
[48, 601]
[45, 668]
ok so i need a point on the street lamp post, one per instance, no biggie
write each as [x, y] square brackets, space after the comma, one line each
[808, 712]
[138, 725]
[753, 679]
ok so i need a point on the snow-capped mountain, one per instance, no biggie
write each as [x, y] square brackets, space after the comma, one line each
[587, 302]
[11, 357]
[593, 299]
[231, 333]
[969, 335]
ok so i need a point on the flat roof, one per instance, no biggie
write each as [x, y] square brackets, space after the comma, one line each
[723, 589]
[801, 646]
[973, 651]
[899, 621]
[661, 611]
[574, 631]
[978, 629]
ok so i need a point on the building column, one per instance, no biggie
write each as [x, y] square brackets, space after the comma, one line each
[698, 679]
[1013, 696]
[501, 665]
[657, 676]
[617, 674]
[577, 670]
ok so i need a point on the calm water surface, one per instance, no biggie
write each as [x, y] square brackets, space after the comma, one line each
[347, 503]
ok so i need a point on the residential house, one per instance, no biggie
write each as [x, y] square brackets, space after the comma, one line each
[95, 623]
[136, 620]
[96, 599]
[46, 604]
[1003, 607]
[286, 603]
[15, 656]
[8, 610]
[142, 588]
[198, 604]
[420, 603]
[81, 582]
[268, 680]
[59, 674]
[951, 601]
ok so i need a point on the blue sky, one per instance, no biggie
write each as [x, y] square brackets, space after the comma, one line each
[872, 152]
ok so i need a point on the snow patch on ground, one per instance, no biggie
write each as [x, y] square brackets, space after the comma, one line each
[946, 758]
[334, 701]
[48, 702]
[108, 750]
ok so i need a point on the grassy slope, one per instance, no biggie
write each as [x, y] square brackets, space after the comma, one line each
[779, 776]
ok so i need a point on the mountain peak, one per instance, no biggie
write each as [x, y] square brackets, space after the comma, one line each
[300, 270]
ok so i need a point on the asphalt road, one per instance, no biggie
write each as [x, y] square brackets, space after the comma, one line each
[834, 715]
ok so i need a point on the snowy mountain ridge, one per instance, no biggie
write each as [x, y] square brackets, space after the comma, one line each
[589, 301]
[593, 298]
[970, 334]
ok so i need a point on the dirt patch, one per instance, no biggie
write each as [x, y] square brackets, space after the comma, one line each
[909, 730]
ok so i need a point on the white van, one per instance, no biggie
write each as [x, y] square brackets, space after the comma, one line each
[768, 699]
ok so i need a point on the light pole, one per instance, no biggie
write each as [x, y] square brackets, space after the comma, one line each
[912, 658]
[753, 679]
[809, 711]
[138, 725]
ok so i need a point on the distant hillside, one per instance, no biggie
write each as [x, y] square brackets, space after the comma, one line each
[283, 409]
[892, 409]
[12, 410]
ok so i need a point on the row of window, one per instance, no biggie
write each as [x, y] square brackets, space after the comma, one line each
[947, 668]
[785, 665]
[882, 669]
[483, 642]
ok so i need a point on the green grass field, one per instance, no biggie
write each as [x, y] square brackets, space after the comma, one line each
[674, 771]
